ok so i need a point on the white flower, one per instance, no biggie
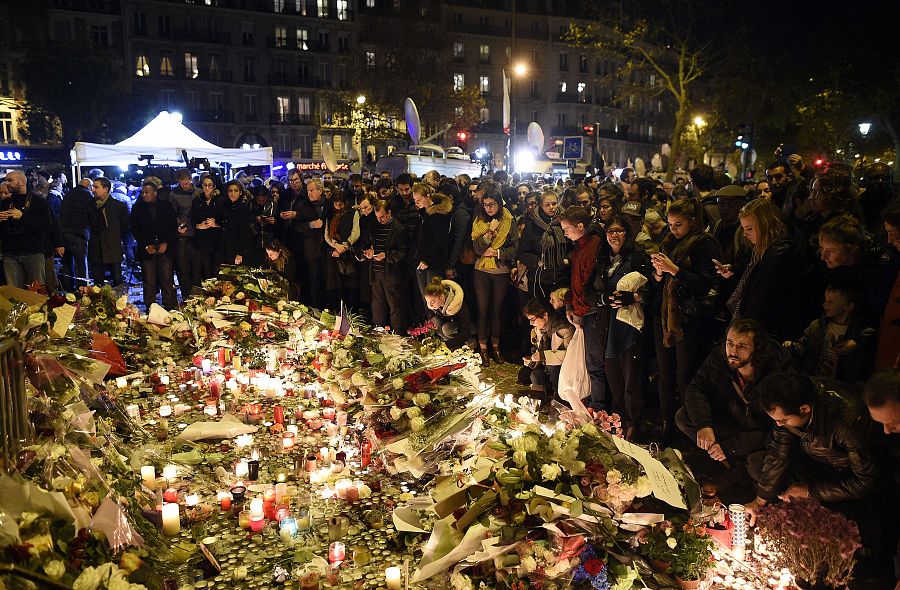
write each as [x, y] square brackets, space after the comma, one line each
[520, 457]
[121, 302]
[70, 297]
[396, 413]
[671, 542]
[118, 583]
[421, 399]
[55, 569]
[550, 471]
[397, 383]
[417, 424]
[613, 476]
[528, 564]
[89, 579]
[460, 582]
[413, 412]
[643, 487]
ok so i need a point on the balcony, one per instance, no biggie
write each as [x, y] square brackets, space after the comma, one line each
[207, 116]
[286, 79]
[178, 73]
[475, 29]
[99, 6]
[201, 36]
[290, 119]
[290, 44]
[622, 136]
[573, 98]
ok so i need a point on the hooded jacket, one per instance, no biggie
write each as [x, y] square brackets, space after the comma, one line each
[454, 310]
[432, 238]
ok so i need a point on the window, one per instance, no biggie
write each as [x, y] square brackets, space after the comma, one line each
[582, 64]
[343, 44]
[458, 19]
[250, 107]
[370, 3]
[214, 72]
[563, 86]
[303, 71]
[484, 54]
[167, 98]
[100, 35]
[6, 128]
[581, 95]
[485, 115]
[325, 74]
[508, 53]
[217, 101]
[284, 142]
[247, 33]
[343, 78]
[563, 62]
[535, 116]
[278, 5]
[279, 72]
[323, 8]
[165, 25]
[484, 21]
[484, 83]
[139, 23]
[303, 107]
[165, 67]
[650, 132]
[305, 146]
[652, 79]
[459, 81]
[283, 108]
[247, 67]
[535, 89]
[142, 66]
[561, 119]
[280, 36]
[535, 27]
[324, 45]
[193, 99]
[300, 7]
[459, 50]
[302, 39]
[370, 59]
[190, 65]
[343, 10]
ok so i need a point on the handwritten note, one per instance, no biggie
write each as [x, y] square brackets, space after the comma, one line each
[663, 483]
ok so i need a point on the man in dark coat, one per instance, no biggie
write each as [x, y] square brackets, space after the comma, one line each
[105, 249]
[309, 223]
[385, 246]
[76, 216]
[154, 227]
[25, 222]
[182, 196]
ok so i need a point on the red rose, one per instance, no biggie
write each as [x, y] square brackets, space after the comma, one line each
[593, 566]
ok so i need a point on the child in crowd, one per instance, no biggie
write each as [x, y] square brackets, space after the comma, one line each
[835, 345]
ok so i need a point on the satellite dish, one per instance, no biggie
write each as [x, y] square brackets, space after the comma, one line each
[656, 161]
[355, 161]
[752, 157]
[328, 156]
[535, 136]
[432, 146]
[639, 167]
[666, 150]
[413, 125]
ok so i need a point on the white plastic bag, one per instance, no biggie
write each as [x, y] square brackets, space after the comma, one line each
[574, 380]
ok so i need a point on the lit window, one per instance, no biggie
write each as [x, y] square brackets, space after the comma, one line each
[563, 87]
[458, 81]
[485, 84]
[142, 67]
[280, 36]
[302, 39]
[370, 59]
[190, 65]
[323, 8]
[484, 53]
[459, 50]
[214, 68]
[343, 10]
[283, 107]
[303, 106]
[165, 67]
[370, 3]
[278, 5]
[485, 115]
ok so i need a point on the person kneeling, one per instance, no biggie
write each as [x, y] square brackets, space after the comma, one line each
[550, 336]
[444, 299]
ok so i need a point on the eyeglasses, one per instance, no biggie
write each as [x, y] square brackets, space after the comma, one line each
[605, 207]
[615, 231]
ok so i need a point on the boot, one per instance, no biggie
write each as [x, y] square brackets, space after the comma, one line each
[665, 433]
[485, 359]
[495, 353]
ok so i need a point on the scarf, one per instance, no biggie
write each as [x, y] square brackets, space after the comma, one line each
[553, 242]
[736, 300]
[673, 331]
[101, 207]
[480, 227]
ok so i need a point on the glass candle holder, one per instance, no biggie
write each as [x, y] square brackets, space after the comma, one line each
[244, 519]
[238, 493]
[257, 524]
[337, 552]
[334, 529]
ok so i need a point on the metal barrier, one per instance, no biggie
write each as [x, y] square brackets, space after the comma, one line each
[15, 427]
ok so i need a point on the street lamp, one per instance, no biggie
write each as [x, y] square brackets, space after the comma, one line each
[700, 122]
[864, 128]
[519, 70]
[360, 100]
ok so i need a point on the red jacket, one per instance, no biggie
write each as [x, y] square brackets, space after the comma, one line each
[584, 258]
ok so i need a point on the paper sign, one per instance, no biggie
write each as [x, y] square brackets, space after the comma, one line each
[663, 483]
[158, 315]
[64, 315]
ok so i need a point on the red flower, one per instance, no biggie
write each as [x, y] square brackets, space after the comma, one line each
[593, 566]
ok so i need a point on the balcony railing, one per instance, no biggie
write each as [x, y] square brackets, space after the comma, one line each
[208, 116]
[291, 43]
[202, 36]
[287, 79]
[573, 98]
[290, 119]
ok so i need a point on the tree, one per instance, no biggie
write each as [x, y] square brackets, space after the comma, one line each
[667, 46]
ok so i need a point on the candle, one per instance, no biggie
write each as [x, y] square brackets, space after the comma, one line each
[256, 524]
[121, 382]
[280, 492]
[133, 411]
[242, 470]
[311, 463]
[165, 411]
[225, 499]
[328, 413]
[148, 476]
[170, 472]
[206, 365]
[244, 519]
[287, 441]
[336, 552]
[331, 429]
[256, 507]
[340, 487]
[341, 418]
[281, 475]
[191, 500]
[170, 495]
[353, 493]
[325, 454]
[210, 410]
[290, 525]
[214, 387]
[279, 415]
[282, 512]
[171, 519]
[392, 578]
[303, 520]
[236, 361]
[164, 379]
[237, 493]
[269, 494]
[310, 581]
[253, 469]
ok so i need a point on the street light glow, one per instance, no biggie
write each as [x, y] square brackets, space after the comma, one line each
[520, 69]
[699, 121]
[360, 100]
[864, 128]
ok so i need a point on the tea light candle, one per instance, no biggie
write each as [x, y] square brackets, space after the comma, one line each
[269, 494]
[225, 499]
[133, 411]
[171, 519]
[206, 365]
[328, 413]
[340, 488]
[121, 382]
[210, 410]
[191, 500]
[392, 578]
[280, 492]
[256, 508]
[170, 472]
[337, 552]
[289, 524]
[256, 524]
[148, 476]
[242, 470]
[281, 475]
[287, 441]
[165, 411]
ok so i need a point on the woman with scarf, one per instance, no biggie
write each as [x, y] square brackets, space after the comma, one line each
[494, 241]
[264, 221]
[206, 215]
[236, 238]
[684, 275]
[341, 232]
[542, 250]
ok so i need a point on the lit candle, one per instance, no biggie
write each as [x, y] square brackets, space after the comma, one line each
[171, 519]
[243, 440]
[287, 441]
[328, 413]
[282, 512]
[340, 488]
[392, 578]
[290, 525]
[121, 382]
[281, 475]
[164, 379]
[256, 524]
[214, 388]
[293, 429]
[236, 361]
[269, 493]
[148, 476]
[337, 552]
[165, 411]
[225, 499]
[170, 472]
[242, 470]
[256, 507]
[191, 500]
[210, 410]
[206, 365]
[280, 492]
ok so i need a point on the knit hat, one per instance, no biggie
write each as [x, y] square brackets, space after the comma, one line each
[732, 190]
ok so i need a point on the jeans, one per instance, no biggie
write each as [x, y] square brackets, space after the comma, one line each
[99, 270]
[387, 295]
[489, 292]
[74, 262]
[23, 269]
[626, 383]
[157, 272]
[677, 364]
[185, 257]
[594, 362]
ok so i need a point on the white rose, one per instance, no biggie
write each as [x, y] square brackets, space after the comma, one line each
[613, 476]
[118, 583]
[70, 297]
[396, 413]
[397, 383]
[55, 569]
[413, 412]
[421, 399]
[643, 487]
[364, 491]
[671, 542]
[89, 579]
[417, 424]
[550, 471]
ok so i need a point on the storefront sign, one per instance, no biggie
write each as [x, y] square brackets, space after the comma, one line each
[317, 166]
[10, 156]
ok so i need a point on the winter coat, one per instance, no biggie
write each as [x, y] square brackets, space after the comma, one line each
[615, 336]
[851, 367]
[838, 437]
[206, 240]
[338, 271]
[312, 239]
[712, 397]
[262, 231]
[888, 354]
[108, 232]
[27, 234]
[453, 320]
[236, 238]
[460, 231]
[76, 215]
[395, 250]
[183, 202]
[769, 295]
[432, 238]
[532, 255]
[555, 337]
[149, 230]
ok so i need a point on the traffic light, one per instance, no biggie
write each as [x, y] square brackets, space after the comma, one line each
[588, 130]
[819, 162]
[462, 139]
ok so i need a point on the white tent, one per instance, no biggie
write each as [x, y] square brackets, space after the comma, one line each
[164, 138]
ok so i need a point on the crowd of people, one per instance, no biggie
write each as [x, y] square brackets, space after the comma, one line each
[754, 310]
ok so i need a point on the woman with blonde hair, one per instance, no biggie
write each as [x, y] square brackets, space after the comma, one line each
[764, 288]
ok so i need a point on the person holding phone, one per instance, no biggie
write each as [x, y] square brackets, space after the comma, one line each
[206, 215]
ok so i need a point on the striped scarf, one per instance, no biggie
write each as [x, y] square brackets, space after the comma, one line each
[481, 227]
